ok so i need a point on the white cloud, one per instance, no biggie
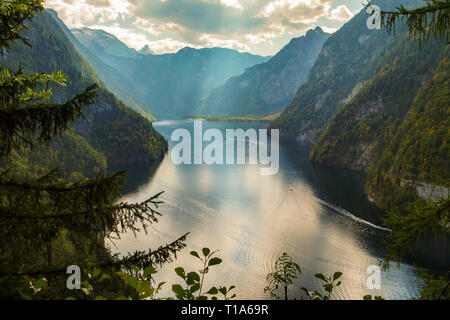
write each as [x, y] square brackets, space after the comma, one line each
[258, 26]
[341, 13]
[227, 43]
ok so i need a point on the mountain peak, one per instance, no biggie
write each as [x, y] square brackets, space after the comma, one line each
[185, 49]
[146, 50]
[317, 30]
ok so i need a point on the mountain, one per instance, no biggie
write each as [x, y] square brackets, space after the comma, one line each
[109, 125]
[146, 50]
[101, 43]
[267, 87]
[396, 128]
[377, 103]
[112, 79]
[170, 85]
[347, 60]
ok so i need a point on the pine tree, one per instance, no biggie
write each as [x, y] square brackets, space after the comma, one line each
[429, 20]
[35, 214]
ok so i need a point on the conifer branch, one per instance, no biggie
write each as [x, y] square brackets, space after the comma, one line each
[40, 121]
[423, 22]
[13, 15]
[139, 259]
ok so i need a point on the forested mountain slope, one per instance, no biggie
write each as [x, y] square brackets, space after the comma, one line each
[396, 128]
[109, 125]
[348, 59]
[268, 87]
[377, 103]
[114, 81]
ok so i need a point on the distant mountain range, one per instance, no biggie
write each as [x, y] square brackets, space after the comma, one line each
[268, 87]
[102, 43]
[168, 85]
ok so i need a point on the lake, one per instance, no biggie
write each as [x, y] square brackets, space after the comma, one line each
[319, 216]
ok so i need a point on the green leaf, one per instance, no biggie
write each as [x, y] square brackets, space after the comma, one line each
[195, 287]
[368, 297]
[213, 290]
[41, 283]
[178, 290]
[104, 277]
[223, 290]
[320, 276]
[337, 275]
[206, 251]
[160, 285]
[180, 271]
[149, 271]
[195, 254]
[192, 277]
[214, 261]
[96, 272]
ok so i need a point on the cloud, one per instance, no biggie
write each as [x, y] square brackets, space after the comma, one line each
[258, 26]
[341, 13]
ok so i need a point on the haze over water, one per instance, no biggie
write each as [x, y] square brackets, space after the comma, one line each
[319, 216]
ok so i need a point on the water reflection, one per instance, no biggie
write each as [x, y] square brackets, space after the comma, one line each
[253, 218]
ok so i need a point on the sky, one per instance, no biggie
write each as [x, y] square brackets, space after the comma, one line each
[257, 26]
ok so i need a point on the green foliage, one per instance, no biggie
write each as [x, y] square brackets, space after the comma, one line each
[408, 229]
[424, 22]
[418, 149]
[421, 218]
[329, 284]
[286, 271]
[369, 297]
[47, 223]
[145, 287]
[36, 161]
[283, 275]
[435, 287]
[14, 16]
[193, 286]
[114, 129]
[26, 117]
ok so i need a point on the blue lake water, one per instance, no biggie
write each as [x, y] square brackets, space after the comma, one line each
[319, 216]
